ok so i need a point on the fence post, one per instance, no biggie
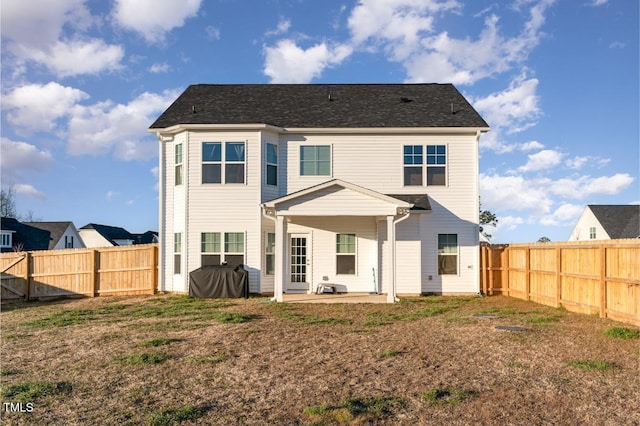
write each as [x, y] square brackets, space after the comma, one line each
[558, 277]
[154, 269]
[27, 275]
[504, 264]
[527, 265]
[94, 272]
[603, 281]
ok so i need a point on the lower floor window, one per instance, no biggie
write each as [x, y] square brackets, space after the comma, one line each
[177, 253]
[269, 250]
[212, 253]
[447, 254]
[346, 254]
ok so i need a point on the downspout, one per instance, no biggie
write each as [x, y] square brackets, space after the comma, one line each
[162, 238]
[264, 214]
[395, 222]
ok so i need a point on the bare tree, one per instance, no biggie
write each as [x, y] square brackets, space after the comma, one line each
[8, 203]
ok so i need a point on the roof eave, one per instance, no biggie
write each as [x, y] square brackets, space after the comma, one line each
[172, 130]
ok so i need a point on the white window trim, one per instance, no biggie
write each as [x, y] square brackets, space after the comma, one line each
[300, 175]
[425, 166]
[354, 254]
[178, 164]
[9, 236]
[223, 163]
[266, 253]
[177, 253]
[267, 164]
[457, 253]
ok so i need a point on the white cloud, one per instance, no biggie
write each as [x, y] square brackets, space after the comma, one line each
[579, 162]
[617, 45]
[76, 57]
[111, 195]
[213, 32]
[596, 3]
[119, 128]
[545, 159]
[283, 27]
[159, 68]
[530, 146]
[565, 214]
[36, 107]
[20, 159]
[36, 23]
[288, 63]
[51, 34]
[154, 18]
[513, 109]
[502, 193]
[29, 191]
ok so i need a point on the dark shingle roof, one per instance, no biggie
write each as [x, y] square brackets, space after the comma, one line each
[111, 233]
[620, 221]
[323, 106]
[55, 228]
[25, 237]
[419, 201]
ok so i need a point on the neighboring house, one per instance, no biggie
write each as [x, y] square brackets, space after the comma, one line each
[373, 187]
[607, 222]
[95, 235]
[16, 236]
[63, 234]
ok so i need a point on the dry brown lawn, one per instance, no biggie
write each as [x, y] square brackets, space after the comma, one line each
[167, 359]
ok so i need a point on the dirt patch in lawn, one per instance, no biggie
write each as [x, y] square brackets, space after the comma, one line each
[162, 360]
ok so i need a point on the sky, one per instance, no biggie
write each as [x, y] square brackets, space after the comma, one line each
[557, 81]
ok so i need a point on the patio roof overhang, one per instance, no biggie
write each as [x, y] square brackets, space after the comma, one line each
[337, 198]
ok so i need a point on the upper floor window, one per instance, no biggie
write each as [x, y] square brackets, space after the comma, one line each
[436, 164]
[592, 233]
[272, 164]
[315, 160]
[418, 165]
[213, 166]
[68, 241]
[178, 162]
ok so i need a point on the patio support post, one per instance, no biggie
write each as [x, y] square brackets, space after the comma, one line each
[391, 262]
[280, 258]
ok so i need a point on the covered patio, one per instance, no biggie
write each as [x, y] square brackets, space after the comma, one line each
[329, 201]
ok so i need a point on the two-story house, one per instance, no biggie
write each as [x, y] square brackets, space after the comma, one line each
[373, 187]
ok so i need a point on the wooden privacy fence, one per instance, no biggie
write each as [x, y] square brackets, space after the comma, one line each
[592, 277]
[125, 270]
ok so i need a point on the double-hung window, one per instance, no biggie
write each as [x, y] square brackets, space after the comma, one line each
[345, 254]
[6, 240]
[68, 241]
[592, 233]
[234, 248]
[177, 252]
[210, 248]
[436, 165]
[420, 163]
[413, 160]
[315, 160]
[272, 164]
[447, 254]
[270, 250]
[213, 166]
[213, 251]
[178, 161]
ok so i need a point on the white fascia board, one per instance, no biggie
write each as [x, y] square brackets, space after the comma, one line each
[172, 130]
[386, 130]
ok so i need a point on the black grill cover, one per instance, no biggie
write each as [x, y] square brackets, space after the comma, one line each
[219, 282]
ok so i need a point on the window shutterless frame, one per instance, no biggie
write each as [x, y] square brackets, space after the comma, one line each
[223, 162]
[271, 164]
[315, 160]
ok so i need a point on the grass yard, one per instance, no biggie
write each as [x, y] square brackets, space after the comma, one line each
[172, 360]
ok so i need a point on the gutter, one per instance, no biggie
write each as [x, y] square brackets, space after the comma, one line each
[264, 214]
